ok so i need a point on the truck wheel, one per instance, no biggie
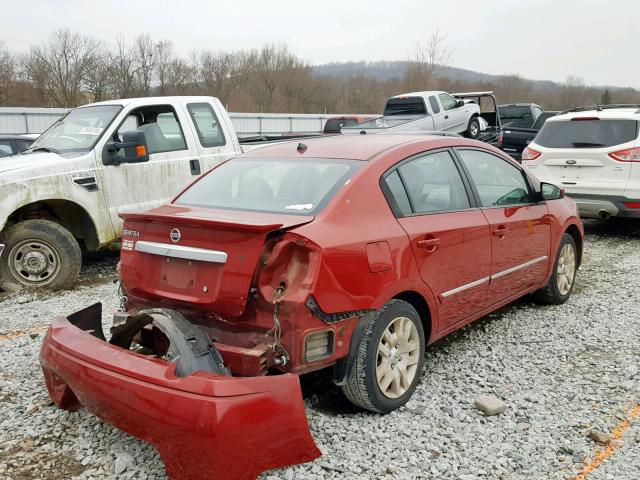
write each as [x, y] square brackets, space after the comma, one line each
[473, 130]
[389, 359]
[38, 254]
[560, 285]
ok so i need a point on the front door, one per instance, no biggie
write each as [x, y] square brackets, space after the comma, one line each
[520, 229]
[449, 237]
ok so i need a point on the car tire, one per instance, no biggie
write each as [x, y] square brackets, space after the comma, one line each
[560, 284]
[473, 129]
[39, 254]
[383, 376]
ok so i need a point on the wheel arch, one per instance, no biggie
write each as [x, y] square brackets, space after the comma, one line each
[574, 231]
[417, 301]
[65, 213]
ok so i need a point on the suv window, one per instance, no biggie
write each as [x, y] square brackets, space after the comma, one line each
[434, 104]
[447, 101]
[434, 184]
[587, 133]
[162, 130]
[209, 131]
[496, 180]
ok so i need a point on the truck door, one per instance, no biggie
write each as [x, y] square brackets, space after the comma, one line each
[142, 186]
[454, 117]
[439, 121]
[208, 129]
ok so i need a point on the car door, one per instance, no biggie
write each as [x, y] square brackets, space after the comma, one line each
[520, 229]
[454, 116]
[141, 186]
[438, 114]
[210, 136]
[450, 238]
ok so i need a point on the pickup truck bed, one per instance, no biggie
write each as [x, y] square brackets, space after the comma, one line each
[514, 140]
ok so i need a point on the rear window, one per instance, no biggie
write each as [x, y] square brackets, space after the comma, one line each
[405, 106]
[587, 133]
[298, 187]
[516, 116]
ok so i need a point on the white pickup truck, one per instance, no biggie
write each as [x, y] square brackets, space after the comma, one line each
[428, 111]
[62, 196]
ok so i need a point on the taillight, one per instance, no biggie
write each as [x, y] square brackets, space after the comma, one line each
[632, 204]
[500, 138]
[530, 154]
[627, 155]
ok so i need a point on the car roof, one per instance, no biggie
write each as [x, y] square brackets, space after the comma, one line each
[622, 113]
[150, 100]
[14, 136]
[518, 105]
[425, 93]
[349, 147]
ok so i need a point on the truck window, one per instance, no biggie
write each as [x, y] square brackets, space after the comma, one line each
[160, 125]
[448, 102]
[405, 106]
[434, 104]
[207, 125]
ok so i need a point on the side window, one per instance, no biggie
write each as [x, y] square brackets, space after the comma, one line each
[434, 184]
[161, 128]
[447, 101]
[398, 193]
[5, 148]
[434, 104]
[496, 180]
[209, 130]
[23, 144]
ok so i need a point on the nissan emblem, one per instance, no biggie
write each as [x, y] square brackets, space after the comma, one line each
[175, 235]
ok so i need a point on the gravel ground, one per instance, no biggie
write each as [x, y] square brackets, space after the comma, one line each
[563, 371]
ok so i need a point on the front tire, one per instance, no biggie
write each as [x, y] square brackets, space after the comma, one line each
[389, 360]
[473, 129]
[559, 287]
[39, 254]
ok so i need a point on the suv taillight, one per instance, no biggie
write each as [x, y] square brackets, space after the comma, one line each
[530, 154]
[627, 155]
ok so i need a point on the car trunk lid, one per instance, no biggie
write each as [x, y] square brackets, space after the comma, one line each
[199, 256]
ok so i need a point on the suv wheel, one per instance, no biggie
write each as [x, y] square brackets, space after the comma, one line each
[389, 359]
[560, 285]
[39, 253]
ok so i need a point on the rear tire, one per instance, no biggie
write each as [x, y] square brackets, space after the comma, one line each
[389, 360]
[473, 129]
[39, 254]
[559, 287]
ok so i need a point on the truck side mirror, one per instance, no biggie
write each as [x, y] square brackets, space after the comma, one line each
[460, 103]
[549, 191]
[134, 144]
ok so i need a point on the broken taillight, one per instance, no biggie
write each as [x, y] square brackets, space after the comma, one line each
[530, 154]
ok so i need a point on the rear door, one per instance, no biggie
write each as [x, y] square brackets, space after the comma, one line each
[580, 154]
[449, 236]
[520, 230]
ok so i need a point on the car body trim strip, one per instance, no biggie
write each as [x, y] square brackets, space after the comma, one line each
[518, 267]
[476, 283]
[180, 251]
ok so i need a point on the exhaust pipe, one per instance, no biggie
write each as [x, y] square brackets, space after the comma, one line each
[604, 215]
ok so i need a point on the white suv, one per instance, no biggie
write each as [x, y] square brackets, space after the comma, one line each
[594, 154]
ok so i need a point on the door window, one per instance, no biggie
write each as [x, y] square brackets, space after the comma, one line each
[434, 104]
[447, 101]
[433, 184]
[497, 181]
[162, 130]
[209, 130]
[5, 148]
[397, 195]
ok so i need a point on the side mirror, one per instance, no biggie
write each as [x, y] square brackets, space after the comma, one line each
[134, 144]
[460, 103]
[549, 191]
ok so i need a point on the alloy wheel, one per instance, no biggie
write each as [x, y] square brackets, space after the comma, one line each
[398, 357]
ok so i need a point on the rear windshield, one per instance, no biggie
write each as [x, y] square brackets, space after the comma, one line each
[516, 116]
[587, 133]
[298, 187]
[405, 106]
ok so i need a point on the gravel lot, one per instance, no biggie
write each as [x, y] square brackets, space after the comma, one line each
[563, 372]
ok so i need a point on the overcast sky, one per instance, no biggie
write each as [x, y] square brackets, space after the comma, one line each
[542, 39]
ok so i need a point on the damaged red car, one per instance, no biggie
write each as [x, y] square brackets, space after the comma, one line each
[349, 252]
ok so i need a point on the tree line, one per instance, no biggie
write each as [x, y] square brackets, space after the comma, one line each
[71, 69]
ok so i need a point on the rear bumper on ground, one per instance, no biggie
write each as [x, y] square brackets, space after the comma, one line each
[606, 206]
[203, 425]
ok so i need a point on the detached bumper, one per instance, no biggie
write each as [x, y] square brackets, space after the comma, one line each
[204, 425]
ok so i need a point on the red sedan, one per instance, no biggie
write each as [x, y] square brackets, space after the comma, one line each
[354, 252]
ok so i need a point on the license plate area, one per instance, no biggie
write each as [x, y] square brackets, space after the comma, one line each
[183, 279]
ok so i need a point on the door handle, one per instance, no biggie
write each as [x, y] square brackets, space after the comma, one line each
[501, 231]
[194, 165]
[446, 117]
[429, 244]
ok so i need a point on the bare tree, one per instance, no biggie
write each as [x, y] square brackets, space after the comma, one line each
[164, 58]
[123, 68]
[428, 61]
[574, 92]
[99, 78]
[7, 73]
[67, 57]
[220, 72]
[145, 56]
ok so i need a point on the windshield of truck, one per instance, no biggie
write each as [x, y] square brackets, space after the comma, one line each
[515, 116]
[78, 130]
[405, 106]
[587, 133]
[298, 187]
